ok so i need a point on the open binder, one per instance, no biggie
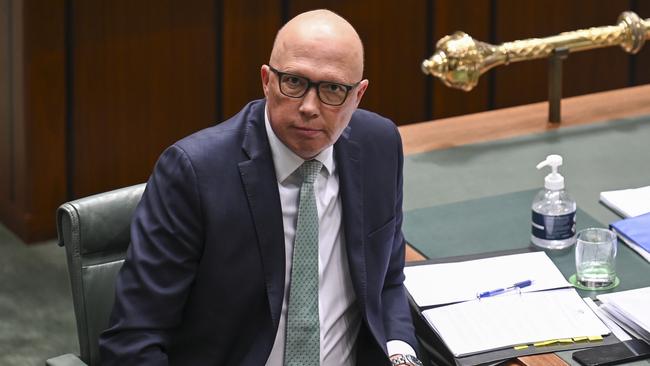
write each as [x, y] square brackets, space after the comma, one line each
[476, 319]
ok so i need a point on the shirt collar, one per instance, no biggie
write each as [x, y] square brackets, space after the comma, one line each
[285, 160]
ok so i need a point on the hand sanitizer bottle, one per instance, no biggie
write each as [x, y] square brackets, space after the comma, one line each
[554, 211]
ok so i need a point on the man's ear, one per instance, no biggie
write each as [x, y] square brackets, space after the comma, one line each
[360, 90]
[264, 74]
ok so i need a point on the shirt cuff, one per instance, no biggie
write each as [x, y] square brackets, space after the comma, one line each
[399, 347]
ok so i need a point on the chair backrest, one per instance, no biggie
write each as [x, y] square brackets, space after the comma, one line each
[95, 231]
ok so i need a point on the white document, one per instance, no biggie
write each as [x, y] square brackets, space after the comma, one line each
[634, 246]
[631, 308]
[628, 202]
[611, 324]
[504, 321]
[445, 283]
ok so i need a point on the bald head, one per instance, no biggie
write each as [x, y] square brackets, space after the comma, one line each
[321, 35]
[316, 62]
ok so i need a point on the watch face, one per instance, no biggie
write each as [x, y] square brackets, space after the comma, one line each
[405, 360]
[413, 360]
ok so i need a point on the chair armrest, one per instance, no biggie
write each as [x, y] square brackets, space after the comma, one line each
[65, 360]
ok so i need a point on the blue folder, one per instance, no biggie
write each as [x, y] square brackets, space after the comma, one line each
[634, 229]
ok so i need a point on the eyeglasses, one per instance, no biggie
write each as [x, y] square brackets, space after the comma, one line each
[295, 86]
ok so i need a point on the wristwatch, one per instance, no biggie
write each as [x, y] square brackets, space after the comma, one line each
[404, 360]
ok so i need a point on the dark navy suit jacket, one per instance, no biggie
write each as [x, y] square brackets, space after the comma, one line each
[203, 280]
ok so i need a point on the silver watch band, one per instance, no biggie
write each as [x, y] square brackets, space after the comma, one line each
[408, 360]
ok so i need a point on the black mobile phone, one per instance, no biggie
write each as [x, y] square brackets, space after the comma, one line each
[613, 354]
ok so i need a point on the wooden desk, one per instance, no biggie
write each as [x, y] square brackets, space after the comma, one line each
[518, 121]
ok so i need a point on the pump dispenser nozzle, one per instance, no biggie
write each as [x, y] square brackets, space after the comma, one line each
[553, 181]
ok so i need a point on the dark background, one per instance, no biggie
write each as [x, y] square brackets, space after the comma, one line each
[92, 91]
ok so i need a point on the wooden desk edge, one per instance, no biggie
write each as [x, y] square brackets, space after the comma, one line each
[522, 120]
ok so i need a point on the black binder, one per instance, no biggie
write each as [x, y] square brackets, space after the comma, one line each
[436, 353]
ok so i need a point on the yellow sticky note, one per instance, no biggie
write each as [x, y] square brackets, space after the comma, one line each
[565, 340]
[579, 339]
[523, 346]
[545, 343]
[595, 338]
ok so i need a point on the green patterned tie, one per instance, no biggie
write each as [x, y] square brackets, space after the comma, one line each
[302, 344]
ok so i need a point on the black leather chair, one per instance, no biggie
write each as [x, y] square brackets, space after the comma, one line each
[95, 232]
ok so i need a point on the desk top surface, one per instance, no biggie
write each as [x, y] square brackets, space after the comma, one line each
[603, 138]
[491, 153]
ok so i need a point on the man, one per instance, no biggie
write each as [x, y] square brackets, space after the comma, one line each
[275, 237]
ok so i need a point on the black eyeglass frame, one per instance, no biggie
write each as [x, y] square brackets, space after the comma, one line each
[315, 84]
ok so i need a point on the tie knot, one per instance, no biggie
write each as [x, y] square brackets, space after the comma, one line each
[309, 170]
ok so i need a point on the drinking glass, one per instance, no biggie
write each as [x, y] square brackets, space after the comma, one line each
[596, 258]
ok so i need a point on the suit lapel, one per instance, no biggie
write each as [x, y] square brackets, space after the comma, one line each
[348, 160]
[259, 180]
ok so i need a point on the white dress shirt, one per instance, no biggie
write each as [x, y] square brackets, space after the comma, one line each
[340, 318]
[339, 315]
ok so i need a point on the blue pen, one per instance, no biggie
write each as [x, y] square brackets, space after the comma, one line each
[516, 286]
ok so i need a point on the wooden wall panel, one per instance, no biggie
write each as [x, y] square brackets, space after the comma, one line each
[394, 36]
[6, 119]
[249, 28]
[642, 59]
[473, 18]
[33, 116]
[144, 76]
[32, 158]
[91, 92]
[11, 183]
[584, 72]
[39, 116]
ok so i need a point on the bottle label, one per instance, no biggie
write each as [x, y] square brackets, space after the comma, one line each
[549, 227]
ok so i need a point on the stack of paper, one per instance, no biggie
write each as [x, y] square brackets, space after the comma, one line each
[628, 202]
[630, 310]
[635, 232]
[617, 331]
[546, 311]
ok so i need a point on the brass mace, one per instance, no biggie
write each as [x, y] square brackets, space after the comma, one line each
[460, 60]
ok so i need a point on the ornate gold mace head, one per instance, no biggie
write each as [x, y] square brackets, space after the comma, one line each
[460, 60]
